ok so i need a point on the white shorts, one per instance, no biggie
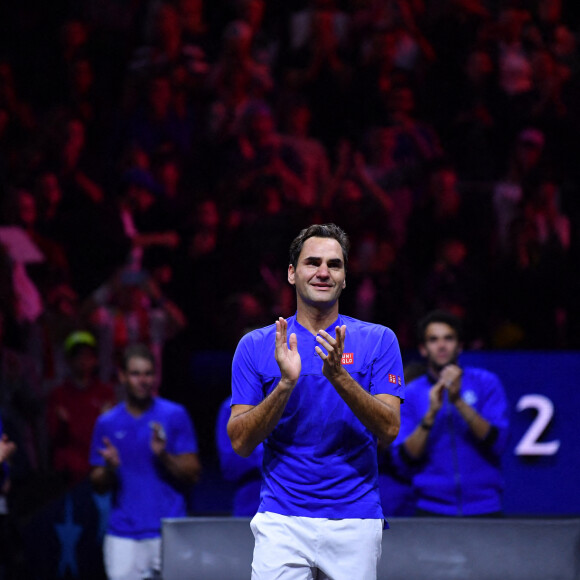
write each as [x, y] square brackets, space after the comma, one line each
[301, 548]
[127, 559]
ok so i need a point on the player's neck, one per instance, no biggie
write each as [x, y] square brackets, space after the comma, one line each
[315, 319]
[136, 407]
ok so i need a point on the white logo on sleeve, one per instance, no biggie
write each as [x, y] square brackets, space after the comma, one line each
[470, 397]
[120, 434]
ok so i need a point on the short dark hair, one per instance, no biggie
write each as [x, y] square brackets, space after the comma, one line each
[319, 231]
[442, 316]
[137, 351]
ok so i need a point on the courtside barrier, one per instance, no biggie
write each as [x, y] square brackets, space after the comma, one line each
[220, 548]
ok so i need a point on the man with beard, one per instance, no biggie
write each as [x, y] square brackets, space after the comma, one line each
[454, 428]
[145, 451]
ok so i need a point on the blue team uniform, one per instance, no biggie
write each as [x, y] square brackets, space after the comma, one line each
[320, 460]
[244, 472]
[145, 492]
[458, 475]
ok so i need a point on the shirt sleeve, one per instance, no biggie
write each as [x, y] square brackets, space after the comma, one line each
[95, 458]
[181, 433]
[495, 409]
[387, 372]
[411, 414]
[246, 383]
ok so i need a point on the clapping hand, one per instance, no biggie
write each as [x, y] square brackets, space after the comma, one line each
[110, 454]
[288, 359]
[332, 360]
[158, 438]
[451, 378]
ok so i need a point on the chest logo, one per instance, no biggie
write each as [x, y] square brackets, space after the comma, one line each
[347, 358]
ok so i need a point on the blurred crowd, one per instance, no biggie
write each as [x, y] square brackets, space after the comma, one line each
[160, 155]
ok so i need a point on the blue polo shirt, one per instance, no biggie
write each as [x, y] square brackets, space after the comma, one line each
[245, 473]
[145, 492]
[320, 460]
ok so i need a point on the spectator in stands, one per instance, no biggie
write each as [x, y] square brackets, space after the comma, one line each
[193, 22]
[21, 402]
[265, 44]
[77, 166]
[321, 70]
[537, 254]
[25, 214]
[236, 55]
[175, 43]
[16, 108]
[444, 213]
[417, 141]
[458, 283]
[311, 153]
[226, 111]
[176, 192]
[549, 78]
[140, 215]
[381, 285]
[131, 308]
[260, 151]
[245, 473]
[356, 199]
[467, 117]
[514, 68]
[387, 179]
[264, 214]
[301, 23]
[48, 194]
[158, 122]
[73, 407]
[454, 428]
[62, 316]
[376, 74]
[145, 451]
[525, 165]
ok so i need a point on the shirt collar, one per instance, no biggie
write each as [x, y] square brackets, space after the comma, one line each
[296, 326]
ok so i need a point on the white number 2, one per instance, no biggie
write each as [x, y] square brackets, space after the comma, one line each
[529, 444]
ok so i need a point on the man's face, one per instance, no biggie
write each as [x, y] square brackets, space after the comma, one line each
[319, 275]
[138, 378]
[85, 361]
[441, 345]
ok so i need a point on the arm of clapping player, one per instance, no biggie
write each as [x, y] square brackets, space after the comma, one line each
[184, 467]
[381, 413]
[249, 425]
